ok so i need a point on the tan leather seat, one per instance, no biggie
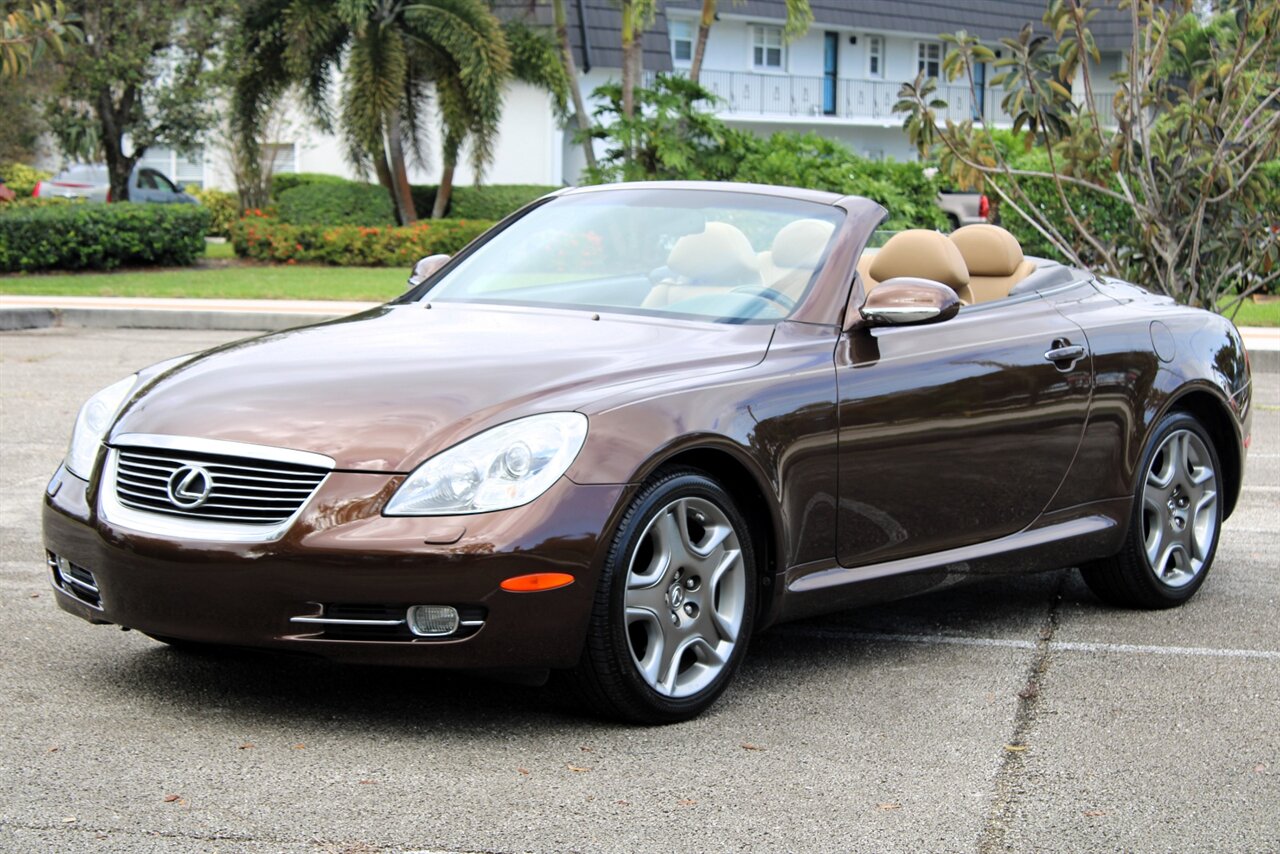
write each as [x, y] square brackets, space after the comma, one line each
[925, 255]
[715, 260]
[796, 252]
[994, 259]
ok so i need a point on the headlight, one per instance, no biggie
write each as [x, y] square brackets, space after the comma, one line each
[504, 467]
[92, 424]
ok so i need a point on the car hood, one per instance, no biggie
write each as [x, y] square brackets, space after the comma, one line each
[386, 389]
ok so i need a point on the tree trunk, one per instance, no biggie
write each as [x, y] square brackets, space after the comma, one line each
[575, 91]
[399, 172]
[704, 29]
[383, 170]
[119, 165]
[628, 62]
[445, 191]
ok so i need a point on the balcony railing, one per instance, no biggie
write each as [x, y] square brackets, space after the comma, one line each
[870, 101]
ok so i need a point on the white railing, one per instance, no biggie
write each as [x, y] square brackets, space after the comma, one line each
[748, 93]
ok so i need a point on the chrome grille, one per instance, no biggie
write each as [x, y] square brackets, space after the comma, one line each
[241, 490]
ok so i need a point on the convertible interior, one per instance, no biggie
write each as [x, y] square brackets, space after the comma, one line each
[737, 264]
[982, 262]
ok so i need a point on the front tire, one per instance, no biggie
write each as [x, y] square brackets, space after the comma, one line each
[675, 606]
[1176, 522]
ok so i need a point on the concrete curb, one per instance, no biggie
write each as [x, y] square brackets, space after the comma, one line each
[15, 319]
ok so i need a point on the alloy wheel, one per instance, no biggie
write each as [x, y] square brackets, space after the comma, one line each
[1179, 509]
[685, 597]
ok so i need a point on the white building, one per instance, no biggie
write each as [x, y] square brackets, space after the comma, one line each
[840, 79]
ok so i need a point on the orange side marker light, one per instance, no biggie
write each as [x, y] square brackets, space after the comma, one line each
[537, 582]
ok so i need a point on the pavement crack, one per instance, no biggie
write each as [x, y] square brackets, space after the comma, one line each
[1009, 779]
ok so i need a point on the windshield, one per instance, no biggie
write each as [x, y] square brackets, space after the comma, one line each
[721, 256]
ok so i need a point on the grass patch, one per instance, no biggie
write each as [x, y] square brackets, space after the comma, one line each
[219, 250]
[376, 284]
[1258, 314]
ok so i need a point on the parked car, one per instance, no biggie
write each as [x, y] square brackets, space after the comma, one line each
[964, 208]
[93, 183]
[634, 425]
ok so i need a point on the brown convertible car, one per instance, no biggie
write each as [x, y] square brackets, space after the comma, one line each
[632, 425]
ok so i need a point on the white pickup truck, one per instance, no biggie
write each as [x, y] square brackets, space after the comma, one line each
[964, 208]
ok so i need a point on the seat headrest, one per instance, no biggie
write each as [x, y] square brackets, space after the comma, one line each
[988, 250]
[921, 254]
[718, 255]
[800, 244]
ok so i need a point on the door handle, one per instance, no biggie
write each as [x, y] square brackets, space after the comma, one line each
[1064, 351]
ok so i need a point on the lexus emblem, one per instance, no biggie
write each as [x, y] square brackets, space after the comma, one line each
[189, 487]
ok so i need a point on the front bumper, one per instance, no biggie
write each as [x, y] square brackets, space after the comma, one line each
[342, 552]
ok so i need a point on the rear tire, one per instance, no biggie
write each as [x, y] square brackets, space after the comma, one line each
[1175, 525]
[675, 606]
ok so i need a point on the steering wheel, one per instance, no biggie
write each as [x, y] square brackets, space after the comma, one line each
[767, 293]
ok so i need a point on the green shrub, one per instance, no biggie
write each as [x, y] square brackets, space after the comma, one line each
[347, 203]
[491, 202]
[223, 207]
[424, 198]
[288, 180]
[818, 163]
[1108, 220]
[22, 179]
[90, 236]
[266, 239]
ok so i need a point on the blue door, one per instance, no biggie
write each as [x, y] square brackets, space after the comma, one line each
[831, 50]
[980, 89]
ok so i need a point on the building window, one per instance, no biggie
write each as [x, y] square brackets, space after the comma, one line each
[767, 50]
[182, 169]
[283, 158]
[681, 33]
[875, 57]
[929, 58]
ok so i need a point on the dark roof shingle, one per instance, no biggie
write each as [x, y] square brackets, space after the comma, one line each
[603, 28]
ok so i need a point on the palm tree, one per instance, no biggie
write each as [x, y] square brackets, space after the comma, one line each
[534, 60]
[395, 53]
[799, 16]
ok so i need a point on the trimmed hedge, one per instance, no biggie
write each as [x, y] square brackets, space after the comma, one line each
[331, 200]
[492, 201]
[264, 238]
[100, 237]
[424, 199]
[288, 180]
[347, 203]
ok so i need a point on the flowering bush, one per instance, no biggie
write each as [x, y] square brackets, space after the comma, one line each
[265, 238]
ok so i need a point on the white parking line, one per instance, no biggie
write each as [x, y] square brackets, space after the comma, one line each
[1248, 488]
[1141, 649]
[1056, 646]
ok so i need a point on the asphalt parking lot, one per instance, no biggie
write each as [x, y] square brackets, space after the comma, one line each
[1021, 715]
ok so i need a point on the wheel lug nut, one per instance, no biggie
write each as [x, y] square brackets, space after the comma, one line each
[675, 618]
[691, 583]
[690, 609]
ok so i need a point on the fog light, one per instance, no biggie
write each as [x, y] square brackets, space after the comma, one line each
[433, 620]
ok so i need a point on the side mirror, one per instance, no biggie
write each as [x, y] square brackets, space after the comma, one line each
[909, 301]
[426, 267]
